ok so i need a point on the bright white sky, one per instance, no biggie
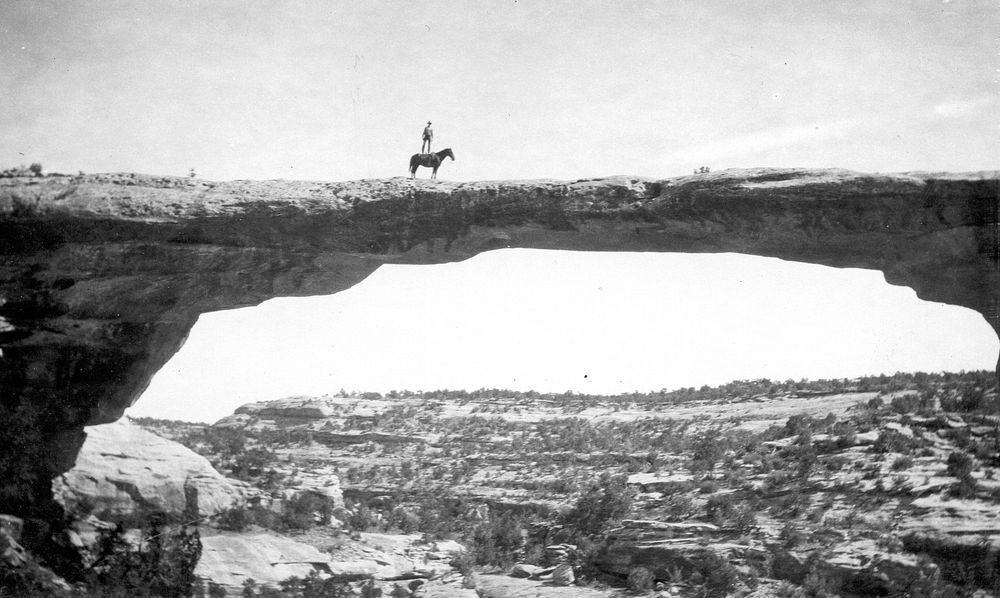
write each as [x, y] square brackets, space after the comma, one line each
[561, 320]
[518, 88]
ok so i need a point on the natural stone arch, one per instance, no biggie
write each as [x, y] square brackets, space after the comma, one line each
[103, 276]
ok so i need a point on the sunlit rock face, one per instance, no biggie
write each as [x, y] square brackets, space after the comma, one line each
[125, 472]
[102, 276]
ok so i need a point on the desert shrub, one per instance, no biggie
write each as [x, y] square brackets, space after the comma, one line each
[163, 566]
[251, 463]
[640, 580]
[464, 563]
[969, 399]
[819, 585]
[744, 518]
[679, 506]
[606, 501]
[912, 403]
[964, 565]
[791, 536]
[965, 487]
[891, 441]
[441, 515]
[719, 576]
[706, 452]
[303, 510]
[224, 442]
[313, 586]
[960, 464]
[404, 520]
[835, 463]
[927, 583]
[235, 519]
[776, 479]
[266, 518]
[987, 449]
[846, 439]
[497, 541]
[361, 519]
[708, 487]
[720, 509]
[803, 455]
[787, 589]
[901, 463]
[960, 436]
[798, 424]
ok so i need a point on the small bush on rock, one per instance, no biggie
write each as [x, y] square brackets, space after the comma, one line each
[901, 463]
[640, 580]
[236, 519]
[498, 541]
[719, 576]
[606, 501]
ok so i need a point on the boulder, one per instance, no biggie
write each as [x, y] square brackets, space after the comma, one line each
[563, 575]
[123, 470]
[448, 547]
[524, 570]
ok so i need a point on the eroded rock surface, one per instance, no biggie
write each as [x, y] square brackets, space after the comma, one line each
[103, 276]
[230, 559]
[124, 472]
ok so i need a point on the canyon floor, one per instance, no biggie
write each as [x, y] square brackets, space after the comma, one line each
[879, 486]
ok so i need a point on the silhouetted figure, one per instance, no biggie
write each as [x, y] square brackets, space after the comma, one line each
[428, 137]
[430, 161]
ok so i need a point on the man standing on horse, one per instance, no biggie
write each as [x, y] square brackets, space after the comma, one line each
[428, 136]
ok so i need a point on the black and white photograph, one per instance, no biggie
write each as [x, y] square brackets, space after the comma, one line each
[499, 299]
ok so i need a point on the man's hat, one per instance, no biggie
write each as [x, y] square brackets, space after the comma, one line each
[428, 122]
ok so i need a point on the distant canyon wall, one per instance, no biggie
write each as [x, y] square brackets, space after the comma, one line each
[103, 276]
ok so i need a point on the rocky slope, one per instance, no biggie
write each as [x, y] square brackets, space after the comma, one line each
[869, 487]
[866, 487]
[102, 276]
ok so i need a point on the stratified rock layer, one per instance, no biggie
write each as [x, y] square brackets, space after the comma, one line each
[102, 276]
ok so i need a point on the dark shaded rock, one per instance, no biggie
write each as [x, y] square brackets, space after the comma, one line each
[12, 526]
[789, 566]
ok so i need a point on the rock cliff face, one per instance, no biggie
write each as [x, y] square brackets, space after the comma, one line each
[102, 276]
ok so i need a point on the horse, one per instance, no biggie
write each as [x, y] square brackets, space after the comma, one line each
[430, 161]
